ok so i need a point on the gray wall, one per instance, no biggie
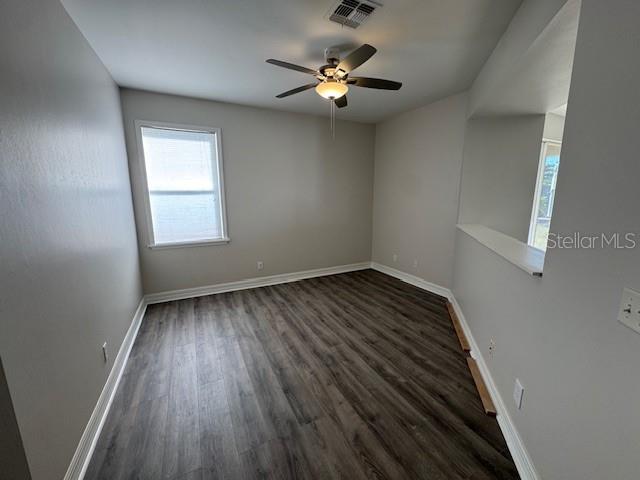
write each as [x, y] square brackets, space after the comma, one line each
[417, 173]
[559, 334]
[501, 156]
[70, 278]
[296, 199]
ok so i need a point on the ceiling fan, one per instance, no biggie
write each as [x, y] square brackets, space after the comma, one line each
[333, 80]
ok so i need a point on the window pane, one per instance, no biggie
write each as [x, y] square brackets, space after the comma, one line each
[181, 169]
[547, 189]
[178, 160]
[184, 216]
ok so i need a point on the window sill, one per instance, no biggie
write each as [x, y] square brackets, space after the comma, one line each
[195, 243]
[523, 256]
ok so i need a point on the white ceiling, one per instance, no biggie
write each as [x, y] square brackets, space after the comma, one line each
[216, 49]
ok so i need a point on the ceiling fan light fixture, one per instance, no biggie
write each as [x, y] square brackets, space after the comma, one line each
[331, 90]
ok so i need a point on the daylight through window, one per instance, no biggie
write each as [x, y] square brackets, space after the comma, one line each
[544, 195]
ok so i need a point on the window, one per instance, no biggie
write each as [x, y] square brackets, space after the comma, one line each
[182, 167]
[544, 195]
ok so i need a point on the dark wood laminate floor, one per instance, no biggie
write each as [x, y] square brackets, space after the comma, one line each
[355, 376]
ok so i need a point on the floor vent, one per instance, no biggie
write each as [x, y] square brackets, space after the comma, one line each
[352, 13]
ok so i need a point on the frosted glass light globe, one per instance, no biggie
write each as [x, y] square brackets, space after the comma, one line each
[331, 90]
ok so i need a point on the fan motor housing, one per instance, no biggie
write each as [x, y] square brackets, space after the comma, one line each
[327, 70]
[332, 55]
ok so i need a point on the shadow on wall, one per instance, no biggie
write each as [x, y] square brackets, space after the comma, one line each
[13, 462]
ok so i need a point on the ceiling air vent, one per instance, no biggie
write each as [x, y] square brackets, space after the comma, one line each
[353, 13]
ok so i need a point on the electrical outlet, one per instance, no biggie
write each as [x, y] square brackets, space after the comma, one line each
[518, 392]
[395, 257]
[415, 263]
[260, 265]
[492, 347]
[105, 353]
[629, 313]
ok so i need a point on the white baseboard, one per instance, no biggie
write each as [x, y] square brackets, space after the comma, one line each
[252, 283]
[412, 279]
[84, 451]
[518, 451]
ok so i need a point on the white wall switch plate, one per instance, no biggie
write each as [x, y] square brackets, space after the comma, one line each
[518, 392]
[260, 265]
[629, 313]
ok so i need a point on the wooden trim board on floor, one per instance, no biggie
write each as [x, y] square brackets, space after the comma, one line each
[462, 338]
[485, 397]
[483, 392]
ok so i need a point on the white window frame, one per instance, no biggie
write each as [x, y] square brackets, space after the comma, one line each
[219, 172]
[536, 196]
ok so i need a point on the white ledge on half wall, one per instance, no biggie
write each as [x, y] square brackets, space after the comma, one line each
[529, 259]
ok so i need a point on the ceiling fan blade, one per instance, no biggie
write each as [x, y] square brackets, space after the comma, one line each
[356, 58]
[292, 66]
[341, 101]
[296, 90]
[378, 83]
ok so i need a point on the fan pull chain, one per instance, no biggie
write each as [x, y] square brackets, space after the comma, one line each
[332, 122]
